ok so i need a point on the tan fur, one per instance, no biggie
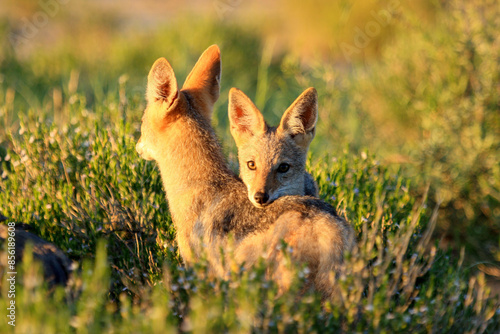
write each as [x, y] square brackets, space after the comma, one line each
[209, 204]
[270, 147]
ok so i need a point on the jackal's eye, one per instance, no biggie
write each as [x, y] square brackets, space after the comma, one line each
[251, 165]
[283, 168]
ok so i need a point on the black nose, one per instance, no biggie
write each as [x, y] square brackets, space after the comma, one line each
[261, 198]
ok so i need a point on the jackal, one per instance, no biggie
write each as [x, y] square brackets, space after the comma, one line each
[272, 159]
[208, 202]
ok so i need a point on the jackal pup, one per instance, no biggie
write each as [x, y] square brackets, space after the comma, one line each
[272, 159]
[209, 204]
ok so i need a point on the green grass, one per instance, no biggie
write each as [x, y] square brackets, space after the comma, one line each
[427, 111]
[79, 185]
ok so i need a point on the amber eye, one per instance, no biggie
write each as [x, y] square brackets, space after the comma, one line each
[283, 168]
[251, 165]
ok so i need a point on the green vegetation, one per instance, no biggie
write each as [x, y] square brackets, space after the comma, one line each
[424, 102]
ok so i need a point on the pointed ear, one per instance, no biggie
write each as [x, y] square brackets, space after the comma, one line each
[203, 83]
[299, 120]
[161, 83]
[244, 117]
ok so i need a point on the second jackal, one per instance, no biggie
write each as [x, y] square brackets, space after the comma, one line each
[272, 159]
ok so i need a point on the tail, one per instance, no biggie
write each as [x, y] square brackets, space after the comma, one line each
[319, 243]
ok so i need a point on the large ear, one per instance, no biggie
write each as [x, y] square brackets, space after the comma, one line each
[203, 83]
[161, 83]
[244, 117]
[299, 120]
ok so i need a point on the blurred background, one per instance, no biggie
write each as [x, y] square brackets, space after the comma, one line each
[414, 83]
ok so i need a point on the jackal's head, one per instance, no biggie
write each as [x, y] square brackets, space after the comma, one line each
[166, 103]
[272, 160]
